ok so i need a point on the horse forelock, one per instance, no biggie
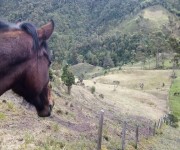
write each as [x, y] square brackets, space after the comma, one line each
[31, 30]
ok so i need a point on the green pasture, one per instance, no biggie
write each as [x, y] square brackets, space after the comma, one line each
[174, 95]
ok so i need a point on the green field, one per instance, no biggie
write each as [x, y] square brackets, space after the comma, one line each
[175, 98]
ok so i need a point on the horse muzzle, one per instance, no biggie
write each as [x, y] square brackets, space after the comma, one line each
[46, 112]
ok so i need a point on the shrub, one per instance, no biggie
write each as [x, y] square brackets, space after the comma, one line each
[174, 120]
[2, 116]
[105, 72]
[93, 89]
[101, 96]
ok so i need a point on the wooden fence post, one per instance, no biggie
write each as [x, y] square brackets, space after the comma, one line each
[158, 125]
[100, 130]
[161, 122]
[124, 136]
[150, 130]
[136, 136]
[154, 129]
[164, 119]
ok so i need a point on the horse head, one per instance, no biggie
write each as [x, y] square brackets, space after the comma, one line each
[35, 79]
[25, 62]
[43, 101]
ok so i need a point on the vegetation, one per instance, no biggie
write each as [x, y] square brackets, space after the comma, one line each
[93, 89]
[175, 96]
[94, 36]
[84, 28]
[68, 78]
[2, 116]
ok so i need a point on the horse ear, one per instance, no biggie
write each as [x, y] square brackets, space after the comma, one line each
[46, 30]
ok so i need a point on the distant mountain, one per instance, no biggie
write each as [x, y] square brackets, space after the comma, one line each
[102, 32]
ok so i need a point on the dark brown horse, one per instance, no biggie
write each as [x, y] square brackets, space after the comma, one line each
[24, 63]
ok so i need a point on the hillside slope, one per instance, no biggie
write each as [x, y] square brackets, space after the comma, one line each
[151, 19]
[74, 122]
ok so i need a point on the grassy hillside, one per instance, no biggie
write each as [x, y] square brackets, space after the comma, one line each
[168, 139]
[74, 121]
[175, 96]
[87, 70]
[150, 19]
[129, 94]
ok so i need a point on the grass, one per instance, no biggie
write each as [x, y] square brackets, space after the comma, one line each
[55, 127]
[28, 138]
[166, 139]
[127, 98]
[157, 15]
[151, 99]
[2, 116]
[153, 20]
[87, 70]
[81, 144]
[151, 64]
[175, 99]
[51, 144]
[10, 106]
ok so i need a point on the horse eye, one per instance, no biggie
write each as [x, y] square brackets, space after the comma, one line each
[48, 58]
[50, 62]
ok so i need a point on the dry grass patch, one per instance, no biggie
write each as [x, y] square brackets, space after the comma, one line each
[129, 98]
[157, 14]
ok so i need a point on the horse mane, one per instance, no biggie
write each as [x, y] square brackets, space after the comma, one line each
[31, 30]
[24, 26]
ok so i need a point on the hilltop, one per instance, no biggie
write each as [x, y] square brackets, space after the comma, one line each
[151, 19]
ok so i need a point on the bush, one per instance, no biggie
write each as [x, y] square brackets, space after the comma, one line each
[174, 120]
[93, 89]
[105, 72]
[101, 96]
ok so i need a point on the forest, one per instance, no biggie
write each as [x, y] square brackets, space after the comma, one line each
[97, 32]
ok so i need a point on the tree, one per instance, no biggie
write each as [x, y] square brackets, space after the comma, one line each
[175, 44]
[108, 61]
[158, 44]
[116, 84]
[68, 78]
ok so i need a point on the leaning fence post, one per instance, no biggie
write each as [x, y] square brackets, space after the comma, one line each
[148, 130]
[158, 125]
[164, 119]
[100, 130]
[124, 136]
[154, 129]
[136, 136]
[161, 122]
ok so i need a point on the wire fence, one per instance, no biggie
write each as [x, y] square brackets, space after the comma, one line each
[134, 133]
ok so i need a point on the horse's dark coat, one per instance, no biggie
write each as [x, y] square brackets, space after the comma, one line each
[24, 63]
[3, 25]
